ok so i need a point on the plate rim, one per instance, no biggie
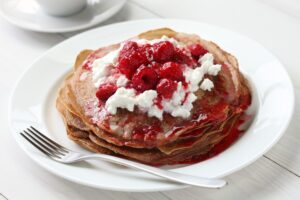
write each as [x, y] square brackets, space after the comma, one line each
[113, 10]
[171, 187]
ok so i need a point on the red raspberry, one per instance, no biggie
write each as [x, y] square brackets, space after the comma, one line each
[130, 59]
[137, 135]
[87, 65]
[147, 52]
[156, 66]
[197, 50]
[129, 45]
[171, 70]
[163, 51]
[183, 58]
[105, 91]
[145, 78]
[166, 88]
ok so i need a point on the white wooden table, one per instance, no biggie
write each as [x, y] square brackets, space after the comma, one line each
[273, 23]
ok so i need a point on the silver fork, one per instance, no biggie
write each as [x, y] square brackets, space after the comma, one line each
[64, 155]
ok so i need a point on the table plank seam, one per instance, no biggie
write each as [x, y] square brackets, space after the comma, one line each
[166, 196]
[144, 8]
[62, 35]
[283, 167]
[2, 195]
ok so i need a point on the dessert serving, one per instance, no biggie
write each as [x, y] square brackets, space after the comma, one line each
[159, 98]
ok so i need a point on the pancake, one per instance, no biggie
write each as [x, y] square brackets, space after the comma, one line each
[155, 156]
[149, 156]
[178, 140]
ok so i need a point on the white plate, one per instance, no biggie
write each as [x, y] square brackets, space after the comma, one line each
[32, 103]
[28, 15]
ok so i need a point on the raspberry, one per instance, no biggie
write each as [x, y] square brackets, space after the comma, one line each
[166, 88]
[156, 66]
[137, 135]
[197, 50]
[171, 70]
[130, 59]
[105, 91]
[163, 51]
[129, 46]
[87, 65]
[145, 78]
[146, 52]
[183, 58]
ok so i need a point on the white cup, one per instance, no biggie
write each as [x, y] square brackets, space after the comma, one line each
[62, 7]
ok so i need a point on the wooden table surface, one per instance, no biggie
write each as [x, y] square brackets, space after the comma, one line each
[276, 175]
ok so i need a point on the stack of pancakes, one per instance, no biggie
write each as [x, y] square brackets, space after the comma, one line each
[212, 127]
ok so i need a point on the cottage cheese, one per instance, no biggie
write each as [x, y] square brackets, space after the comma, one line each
[181, 103]
[127, 99]
[122, 81]
[123, 98]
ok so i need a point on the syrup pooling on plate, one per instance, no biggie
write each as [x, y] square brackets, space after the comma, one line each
[156, 76]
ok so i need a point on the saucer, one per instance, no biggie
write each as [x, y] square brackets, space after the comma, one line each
[27, 14]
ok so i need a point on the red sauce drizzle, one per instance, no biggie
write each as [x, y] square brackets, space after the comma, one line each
[234, 134]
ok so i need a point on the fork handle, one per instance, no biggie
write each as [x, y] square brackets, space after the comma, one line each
[173, 176]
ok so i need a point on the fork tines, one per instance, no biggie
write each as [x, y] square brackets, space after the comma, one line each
[43, 143]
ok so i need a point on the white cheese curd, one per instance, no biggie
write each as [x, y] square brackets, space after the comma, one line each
[127, 99]
[188, 104]
[214, 70]
[207, 85]
[100, 81]
[178, 95]
[184, 110]
[195, 76]
[208, 57]
[163, 38]
[99, 71]
[169, 105]
[145, 100]
[122, 81]
[207, 61]
[100, 65]
[122, 98]
[177, 106]
[155, 112]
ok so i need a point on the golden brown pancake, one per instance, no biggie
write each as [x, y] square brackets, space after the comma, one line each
[192, 140]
